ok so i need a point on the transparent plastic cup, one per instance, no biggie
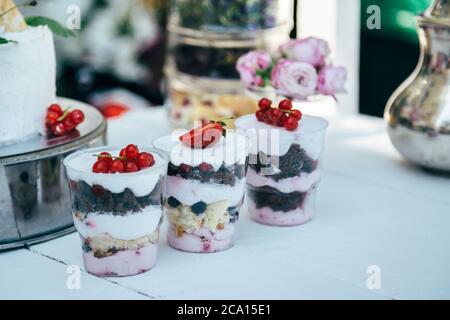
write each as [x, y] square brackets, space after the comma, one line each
[118, 216]
[204, 192]
[284, 170]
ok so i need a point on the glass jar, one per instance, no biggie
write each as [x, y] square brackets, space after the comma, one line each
[193, 99]
[230, 15]
[284, 170]
[204, 192]
[214, 56]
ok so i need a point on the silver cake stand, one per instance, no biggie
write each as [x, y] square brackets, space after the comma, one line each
[34, 192]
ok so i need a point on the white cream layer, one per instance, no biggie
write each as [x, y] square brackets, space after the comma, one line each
[190, 192]
[27, 82]
[230, 150]
[129, 227]
[141, 183]
[301, 183]
[277, 141]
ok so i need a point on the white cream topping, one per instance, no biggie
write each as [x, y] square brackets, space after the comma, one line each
[190, 192]
[27, 82]
[129, 227]
[301, 183]
[141, 183]
[230, 150]
[277, 141]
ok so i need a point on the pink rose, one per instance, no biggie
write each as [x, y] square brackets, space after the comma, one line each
[309, 50]
[331, 80]
[294, 79]
[249, 64]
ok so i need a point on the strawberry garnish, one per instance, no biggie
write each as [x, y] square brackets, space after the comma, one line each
[209, 133]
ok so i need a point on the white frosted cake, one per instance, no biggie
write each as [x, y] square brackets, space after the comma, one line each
[27, 77]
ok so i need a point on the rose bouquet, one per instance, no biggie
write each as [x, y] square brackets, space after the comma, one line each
[301, 69]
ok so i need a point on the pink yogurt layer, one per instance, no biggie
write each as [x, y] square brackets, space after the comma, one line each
[123, 263]
[301, 183]
[203, 240]
[283, 219]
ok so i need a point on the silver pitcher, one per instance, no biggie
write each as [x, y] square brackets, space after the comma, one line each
[418, 113]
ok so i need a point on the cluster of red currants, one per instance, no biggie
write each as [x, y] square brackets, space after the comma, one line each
[60, 122]
[283, 116]
[129, 160]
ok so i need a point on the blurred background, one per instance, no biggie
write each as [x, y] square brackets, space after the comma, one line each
[143, 53]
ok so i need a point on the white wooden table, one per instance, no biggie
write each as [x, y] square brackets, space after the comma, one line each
[373, 209]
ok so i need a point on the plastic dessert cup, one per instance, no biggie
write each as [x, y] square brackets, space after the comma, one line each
[284, 170]
[118, 216]
[204, 192]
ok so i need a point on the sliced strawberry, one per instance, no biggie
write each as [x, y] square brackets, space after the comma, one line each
[208, 134]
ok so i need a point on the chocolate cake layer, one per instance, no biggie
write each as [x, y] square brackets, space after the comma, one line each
[292, 164]
[224, 175]
[276, 200]
[97, 199]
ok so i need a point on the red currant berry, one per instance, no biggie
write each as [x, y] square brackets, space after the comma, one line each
[282, 120]
[131, 167]
[105, 157]
[184, 168]
[58, 129]
[296, 114]
[266, 117]
[259, 115]
[291, 124]
[123, 153]
[56, 108]
[117, 166]
[285, 104]
[205, 167]
[276, 115]
[77, 116]
[51, 118]
[68, 123]
[131, 151]
[100, 167]
[264, 104]
[145, 160]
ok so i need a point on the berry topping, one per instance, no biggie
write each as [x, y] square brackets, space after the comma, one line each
[264, 104]
[207, 134]
[77, 116]
[68, 123]
[185, 168]
[283, 116]
[117, 166]
[131, 151]
[296, 114]
[123, 162]
[205, 167]
[56, 108]
[173, 202]
[145, 160]
[106, 157]
[291, 124]
[61, 122]
[100, 167]
[285, 104]
[131, 167]
[58, 129]
[198, 208]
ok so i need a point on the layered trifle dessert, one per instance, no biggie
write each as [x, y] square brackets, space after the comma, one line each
[284, 163]
[205, 186]
[117, 207]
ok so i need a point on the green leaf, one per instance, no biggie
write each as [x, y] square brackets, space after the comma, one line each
[53, 25]
[6, 41]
